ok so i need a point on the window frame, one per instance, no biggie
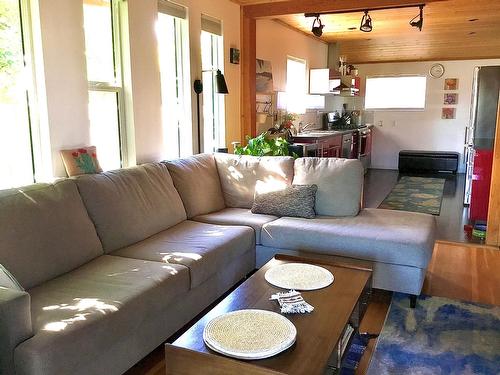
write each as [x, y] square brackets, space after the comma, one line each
[116, 86]
[303, 109]
[182, 78]
[397, 109]
[218, 100]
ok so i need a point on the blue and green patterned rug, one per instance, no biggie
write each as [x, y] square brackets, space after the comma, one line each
[416, 194]
[440, 336]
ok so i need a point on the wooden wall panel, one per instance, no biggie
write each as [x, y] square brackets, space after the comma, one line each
[493, 230]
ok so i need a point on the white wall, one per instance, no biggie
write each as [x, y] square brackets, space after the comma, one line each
[275, 42]
[422, 130]
[65, 82]
[65, 95]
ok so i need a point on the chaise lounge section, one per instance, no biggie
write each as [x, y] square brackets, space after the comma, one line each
[110, 265]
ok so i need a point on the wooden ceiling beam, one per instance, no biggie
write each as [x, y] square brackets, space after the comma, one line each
[280, 8]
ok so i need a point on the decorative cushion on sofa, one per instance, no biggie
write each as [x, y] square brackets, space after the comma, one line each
[293, 201]
[7, 280]
[128, 205]
[240, 174]
[197, 181]
[339, 181]
[45, 231]
[81, 160]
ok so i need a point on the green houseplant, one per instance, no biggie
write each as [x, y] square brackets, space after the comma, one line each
[263, 145]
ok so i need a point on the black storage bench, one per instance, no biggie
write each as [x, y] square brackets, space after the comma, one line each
[428, 161]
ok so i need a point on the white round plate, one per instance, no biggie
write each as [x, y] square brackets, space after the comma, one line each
[299, 276]
[249, 334]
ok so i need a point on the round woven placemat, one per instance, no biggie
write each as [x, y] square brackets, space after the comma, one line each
[249, 334]
[299, 276]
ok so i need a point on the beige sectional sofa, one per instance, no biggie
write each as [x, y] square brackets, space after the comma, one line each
[110, 265]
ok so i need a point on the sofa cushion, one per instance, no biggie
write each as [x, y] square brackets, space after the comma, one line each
[131, 204]
[239, 176]
[90, 309]
[387, 236]
[293, 201]
[204, 248]
[197, 181]
[45, 231]
[340, 183]
[238, 216]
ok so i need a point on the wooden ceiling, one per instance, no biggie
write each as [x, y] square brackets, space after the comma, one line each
[453, 30]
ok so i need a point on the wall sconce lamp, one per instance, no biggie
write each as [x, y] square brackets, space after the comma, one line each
[420, 22]
[220, 88]
[317, 30]
[366, 23]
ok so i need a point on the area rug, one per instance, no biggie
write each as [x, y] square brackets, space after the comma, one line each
[439, 336]
[416, 194]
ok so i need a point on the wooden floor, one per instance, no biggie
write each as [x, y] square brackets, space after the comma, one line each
[457, 270]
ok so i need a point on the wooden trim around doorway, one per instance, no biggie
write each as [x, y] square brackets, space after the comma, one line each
[493, 229]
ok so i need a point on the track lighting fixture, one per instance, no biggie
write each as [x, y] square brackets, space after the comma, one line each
[366, 23]
[420, 22]
[317, 30]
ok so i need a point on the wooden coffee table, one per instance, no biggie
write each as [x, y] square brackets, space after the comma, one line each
[319, 334]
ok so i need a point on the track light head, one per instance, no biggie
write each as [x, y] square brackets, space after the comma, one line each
[419, 23]
[317, 30]
[366, 23]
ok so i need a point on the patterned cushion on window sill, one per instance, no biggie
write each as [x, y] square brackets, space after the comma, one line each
[293, 201]
[81, 161]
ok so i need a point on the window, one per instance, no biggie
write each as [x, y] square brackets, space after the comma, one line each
[296, 85]
[212, 57]
[16, 145]
[173, 54]
[401, 92]
[102, 49]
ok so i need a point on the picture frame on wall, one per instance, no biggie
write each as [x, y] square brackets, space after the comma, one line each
[234, 55]
[450, 99]
[451, 84]
[448, 113]
[264, 79]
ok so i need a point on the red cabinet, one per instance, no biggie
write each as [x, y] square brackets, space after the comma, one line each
[481, 179]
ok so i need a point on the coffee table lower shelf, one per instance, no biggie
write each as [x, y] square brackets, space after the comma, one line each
[320, 335]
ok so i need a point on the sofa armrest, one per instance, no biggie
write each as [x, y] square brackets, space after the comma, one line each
[15, 325]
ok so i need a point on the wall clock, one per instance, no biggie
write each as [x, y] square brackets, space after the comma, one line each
[436, 71]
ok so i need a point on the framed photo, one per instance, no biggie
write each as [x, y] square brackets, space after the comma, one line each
[451, 84]
[234, 55]
[450, 99]
[448, 113]
[264, 79]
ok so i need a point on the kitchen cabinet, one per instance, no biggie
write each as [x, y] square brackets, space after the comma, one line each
[329, 81]
[327, 146]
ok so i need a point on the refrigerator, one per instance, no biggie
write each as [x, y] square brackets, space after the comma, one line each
[480, 139]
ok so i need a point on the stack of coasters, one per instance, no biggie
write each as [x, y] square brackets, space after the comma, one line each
[291, 302]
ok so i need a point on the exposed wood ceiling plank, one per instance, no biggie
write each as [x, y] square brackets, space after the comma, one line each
[280, 8]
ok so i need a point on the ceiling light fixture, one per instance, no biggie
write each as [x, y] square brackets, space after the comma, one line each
[366, 23]
[420, 22]
[317, 30]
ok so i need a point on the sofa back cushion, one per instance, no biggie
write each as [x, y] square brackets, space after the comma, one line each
[45, 231]
[339, 181]
[197, 181]
[239, 176]
[131, 204]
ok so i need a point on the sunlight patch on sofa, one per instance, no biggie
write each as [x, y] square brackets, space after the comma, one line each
[171, 269]
[179, 257]
[83, 307]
